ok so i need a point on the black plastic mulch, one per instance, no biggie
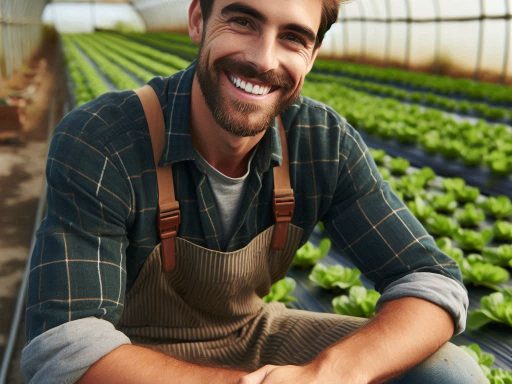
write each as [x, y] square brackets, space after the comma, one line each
[492, 338]
[487, 182]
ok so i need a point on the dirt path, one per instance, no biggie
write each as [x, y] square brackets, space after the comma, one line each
[22, 166]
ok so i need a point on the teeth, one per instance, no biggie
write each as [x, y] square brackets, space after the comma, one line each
[249, 87]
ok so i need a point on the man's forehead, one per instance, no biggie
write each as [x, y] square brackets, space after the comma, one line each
[305, 12]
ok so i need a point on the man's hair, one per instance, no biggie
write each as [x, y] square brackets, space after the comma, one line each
[330, 10]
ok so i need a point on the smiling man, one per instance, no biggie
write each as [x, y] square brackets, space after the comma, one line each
[154, 274]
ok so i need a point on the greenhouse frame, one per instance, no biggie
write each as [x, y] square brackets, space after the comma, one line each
[427, 84]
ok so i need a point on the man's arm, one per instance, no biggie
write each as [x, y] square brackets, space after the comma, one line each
[134, 364]
[403, 333]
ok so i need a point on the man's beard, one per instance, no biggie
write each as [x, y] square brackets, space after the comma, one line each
[233, 115]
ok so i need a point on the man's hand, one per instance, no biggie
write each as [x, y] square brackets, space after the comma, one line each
[294, 374]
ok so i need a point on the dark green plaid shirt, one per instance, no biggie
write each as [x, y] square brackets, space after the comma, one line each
[102, 198]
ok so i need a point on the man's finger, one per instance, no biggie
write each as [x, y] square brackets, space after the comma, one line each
[257, 376]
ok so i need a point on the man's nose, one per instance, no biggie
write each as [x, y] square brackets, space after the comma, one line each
[264, 53]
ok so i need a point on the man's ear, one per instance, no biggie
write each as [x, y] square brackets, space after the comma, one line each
[195, 22]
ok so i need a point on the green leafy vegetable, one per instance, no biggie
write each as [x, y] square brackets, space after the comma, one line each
[470, 240]
[485, 361]
[399, 165]
[441, 225]
[496, 307]
[308, 255]
[359, 302]
[445, 244]
[444, 202]
[498, 206]
[480, 273]
[280, 291]
[501, 255]
[503, 230]
[335, 276]
[470, 215]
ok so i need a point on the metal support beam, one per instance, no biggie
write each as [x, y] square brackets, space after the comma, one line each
[506, 48]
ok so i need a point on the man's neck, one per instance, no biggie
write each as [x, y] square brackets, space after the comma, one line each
[226, 152]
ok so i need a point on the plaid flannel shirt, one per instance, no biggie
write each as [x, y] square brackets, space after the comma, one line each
[102, 199]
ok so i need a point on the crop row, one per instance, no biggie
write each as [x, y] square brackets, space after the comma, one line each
[473, 144]
[166, 43]
[450, 104]
[87, 82]
[479, 144]
[464, 88]
[181, 45]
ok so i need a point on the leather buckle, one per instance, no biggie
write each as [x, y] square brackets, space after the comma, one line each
[169, 220]
[284, 205]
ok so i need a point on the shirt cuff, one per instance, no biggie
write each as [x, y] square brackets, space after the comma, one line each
[64, 353]
[448, 293]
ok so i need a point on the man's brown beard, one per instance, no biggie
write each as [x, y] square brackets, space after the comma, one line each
[238, 123]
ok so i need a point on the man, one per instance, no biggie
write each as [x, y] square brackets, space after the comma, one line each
[97, 263]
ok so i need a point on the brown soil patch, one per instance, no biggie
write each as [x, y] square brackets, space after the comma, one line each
[42, 87]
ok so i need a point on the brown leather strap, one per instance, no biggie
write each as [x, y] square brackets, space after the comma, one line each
[168, 213]
[284, 201]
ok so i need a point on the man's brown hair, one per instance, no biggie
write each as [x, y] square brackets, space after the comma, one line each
[330, 10]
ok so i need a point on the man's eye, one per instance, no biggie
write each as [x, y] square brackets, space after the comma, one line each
[295, 38]
[243, 22]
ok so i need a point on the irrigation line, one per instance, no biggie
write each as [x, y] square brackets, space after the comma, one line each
[20, 302]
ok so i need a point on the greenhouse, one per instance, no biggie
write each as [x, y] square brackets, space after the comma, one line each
[425, 85]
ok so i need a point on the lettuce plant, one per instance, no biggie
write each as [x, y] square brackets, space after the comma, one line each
[441, 225]
[460, 190]
[308, 255]
[360, 302]
[479, 273]
[445, 202]
[496, 307]
[498, 206]
[470, 240]
[501, 255]
[335, 276]
[486, 361]
[470, 215]
[281, 290]
[420, 208]
[445, 244]
[399, 165]
[503, 230]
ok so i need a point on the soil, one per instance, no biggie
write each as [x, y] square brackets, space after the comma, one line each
[22, 160]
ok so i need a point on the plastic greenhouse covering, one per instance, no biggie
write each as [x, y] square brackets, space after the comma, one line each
[467, 38]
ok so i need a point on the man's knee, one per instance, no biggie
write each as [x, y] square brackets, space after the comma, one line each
[449, 365]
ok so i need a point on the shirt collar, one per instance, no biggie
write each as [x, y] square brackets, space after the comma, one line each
[179, 140]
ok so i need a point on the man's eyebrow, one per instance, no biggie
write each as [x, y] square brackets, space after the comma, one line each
[308, 33]
[242, 8]
[305, 31]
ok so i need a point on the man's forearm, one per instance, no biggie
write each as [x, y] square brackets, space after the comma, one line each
[133, 364]
[402, 334]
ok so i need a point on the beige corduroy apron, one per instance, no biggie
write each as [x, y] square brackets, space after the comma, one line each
[208, 308]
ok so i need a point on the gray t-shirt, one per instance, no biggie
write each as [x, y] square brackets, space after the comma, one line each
[228, 193]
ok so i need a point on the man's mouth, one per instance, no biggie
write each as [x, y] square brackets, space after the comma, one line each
[254, 89]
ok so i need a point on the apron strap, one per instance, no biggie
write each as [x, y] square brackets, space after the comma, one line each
[168, 213]
[283, 199]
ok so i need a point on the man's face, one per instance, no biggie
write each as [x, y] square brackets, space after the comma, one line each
[253, 58]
